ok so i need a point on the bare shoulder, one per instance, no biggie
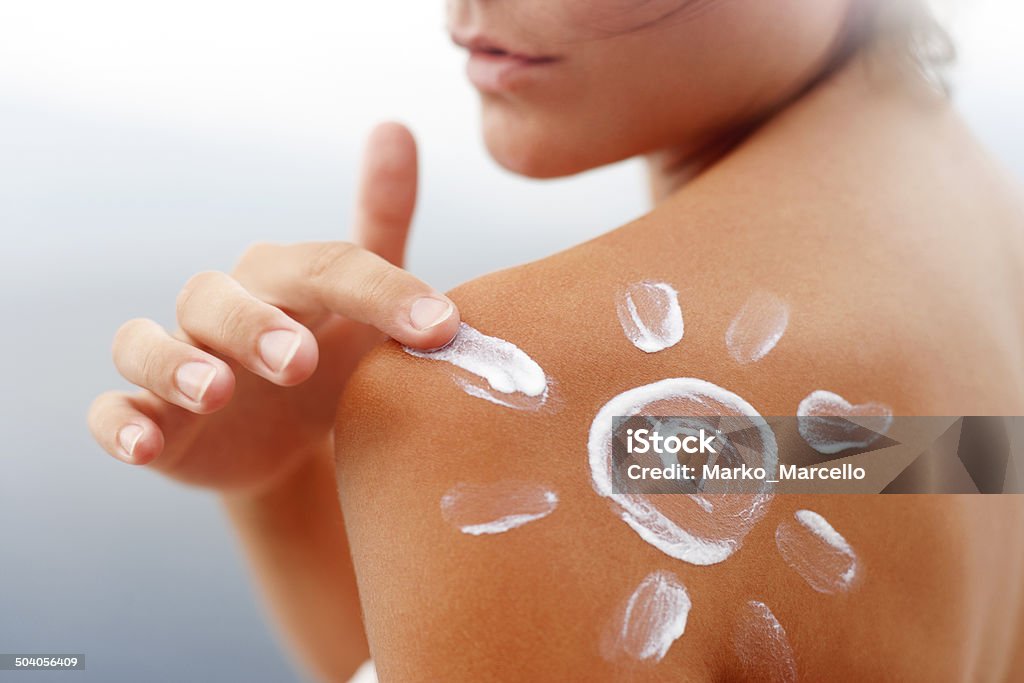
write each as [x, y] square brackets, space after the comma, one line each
[889, 303]
[536, 602]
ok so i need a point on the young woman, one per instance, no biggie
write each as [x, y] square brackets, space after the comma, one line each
[804, 148]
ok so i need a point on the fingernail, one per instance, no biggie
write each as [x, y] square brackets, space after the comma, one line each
[128, 437]
[428, 311]
[193, 379]
[277, 348]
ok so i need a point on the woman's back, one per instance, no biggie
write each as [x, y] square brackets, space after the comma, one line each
[895, 248]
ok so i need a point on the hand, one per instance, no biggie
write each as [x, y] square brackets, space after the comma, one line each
[248, 386]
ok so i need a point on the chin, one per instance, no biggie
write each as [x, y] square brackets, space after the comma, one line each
[535, 148]
[531, 162]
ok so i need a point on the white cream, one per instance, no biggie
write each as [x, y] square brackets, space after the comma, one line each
[484, 509]
[699, 529]
[367, 673]
[761, 645]
[757, 327]
[499, 371]
[817, 552]
[830, 424]
[650, 315]
[653, 618]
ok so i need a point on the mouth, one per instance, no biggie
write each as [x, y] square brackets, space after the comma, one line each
[482, 47]
[493, 67]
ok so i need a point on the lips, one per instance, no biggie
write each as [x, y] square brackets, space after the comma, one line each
[482, 46]
[494, 67]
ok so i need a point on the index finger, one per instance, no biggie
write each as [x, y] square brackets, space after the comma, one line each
[387, 192]
[317, 277]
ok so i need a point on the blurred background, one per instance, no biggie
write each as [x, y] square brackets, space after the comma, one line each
[141, 142]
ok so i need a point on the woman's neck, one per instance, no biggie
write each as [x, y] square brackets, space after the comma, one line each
[855, 84]
[672, 168]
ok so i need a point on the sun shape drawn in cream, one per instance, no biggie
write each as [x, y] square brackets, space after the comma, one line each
[706, 529]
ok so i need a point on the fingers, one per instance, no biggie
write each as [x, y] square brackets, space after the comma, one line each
[215, 310]
[362, 281]
[123, 430]
[387, 192]
[352, 282]
[175, 371]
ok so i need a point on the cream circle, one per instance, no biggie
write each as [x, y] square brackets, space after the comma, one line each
[710, 528]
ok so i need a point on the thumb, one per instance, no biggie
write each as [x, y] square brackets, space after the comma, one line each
[387, 192]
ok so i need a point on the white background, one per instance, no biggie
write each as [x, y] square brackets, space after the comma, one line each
[143, 141]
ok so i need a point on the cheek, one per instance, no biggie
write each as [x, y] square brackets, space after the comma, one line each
[597, 18]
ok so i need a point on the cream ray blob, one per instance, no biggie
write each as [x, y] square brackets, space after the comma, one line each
[701, 529]
[483, 509]
[817, 552]
[757, 327]
[831, 424]
[761, 645]
[653, 618]
[650, 315]
[498, 370]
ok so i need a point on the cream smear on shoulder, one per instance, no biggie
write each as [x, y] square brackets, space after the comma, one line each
[483, 509]
[757, 327]
[762, 646]
[704, 528]
[653, 618]
[830, 424]
[496, 370]
[650, 315]
[817, 552]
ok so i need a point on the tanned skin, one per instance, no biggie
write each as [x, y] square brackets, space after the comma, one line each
[841, 206]
[791, 150]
